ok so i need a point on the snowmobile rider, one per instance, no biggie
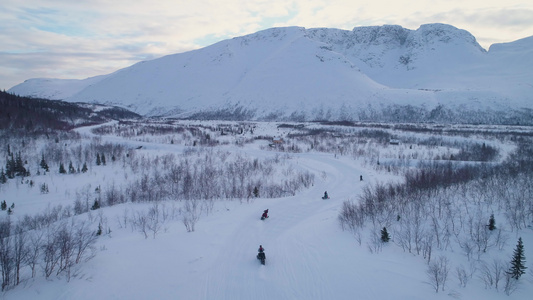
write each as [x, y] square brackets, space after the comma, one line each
[261, 249]
[326, 195]
[265, 214]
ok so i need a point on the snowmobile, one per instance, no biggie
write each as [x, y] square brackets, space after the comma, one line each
[262, 257]
[325, 196]
[265, 214]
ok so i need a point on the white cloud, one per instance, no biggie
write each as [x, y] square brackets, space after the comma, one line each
[78, 39]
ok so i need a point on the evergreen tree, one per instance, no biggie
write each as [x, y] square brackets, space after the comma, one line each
[492, 223]
[3, 177]
[71, 168]
[19, 166]
[44, 165]
[103, 159]
[3, 206]
[256, 192]
[84, 168]
[99, 231]
[518, 261]
[96, 205]
[44, 188]
[9, 211]
[10, 167]
[385, 235]
[98, 161]
[62, 169]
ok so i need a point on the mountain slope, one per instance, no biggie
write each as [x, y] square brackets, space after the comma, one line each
[308, 74]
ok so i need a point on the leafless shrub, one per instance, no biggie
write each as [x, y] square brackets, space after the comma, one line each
[437, 273]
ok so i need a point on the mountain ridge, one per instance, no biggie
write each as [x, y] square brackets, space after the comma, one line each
[293, 73]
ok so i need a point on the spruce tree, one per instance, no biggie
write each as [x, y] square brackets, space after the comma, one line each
[96, 205]
[256, 192]
[3, 177]
[3, 206]
[518, 261]
[43, 164]
[385, 235]
[62, 169]
[103, 159]
[84, 168]
[19, 166]
[99, 231]
[10, 167]
[71, 168]
[98, 161]
[492, 223]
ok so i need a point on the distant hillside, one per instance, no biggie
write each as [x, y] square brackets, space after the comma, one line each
[42, 115]
[437, 73]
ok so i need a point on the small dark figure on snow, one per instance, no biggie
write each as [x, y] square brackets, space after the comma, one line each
[261, 255]
[325, 195]
[361, 178]
[265, 214]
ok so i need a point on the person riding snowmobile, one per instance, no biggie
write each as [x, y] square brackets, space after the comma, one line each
[261, 255]
[325, 195]
[265, 214]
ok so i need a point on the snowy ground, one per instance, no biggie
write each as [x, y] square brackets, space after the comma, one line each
[308, 255]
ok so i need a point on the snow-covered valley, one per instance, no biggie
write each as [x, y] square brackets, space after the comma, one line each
[201, 243]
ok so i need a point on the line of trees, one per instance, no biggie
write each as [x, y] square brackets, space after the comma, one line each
[54, 250]
[441, 207]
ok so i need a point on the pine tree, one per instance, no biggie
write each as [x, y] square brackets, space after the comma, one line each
[10, 167]
[492, 223]
[3, 206]
[3, 177]
[43, 164]
[62, 169]
[256, 192]
[84, 168]
[96, 205]
[99, 231]
[518, 261]
[71, 168]
[385, 235]
[44, 188]
[98, 161]
[19, 166]
[103, 159]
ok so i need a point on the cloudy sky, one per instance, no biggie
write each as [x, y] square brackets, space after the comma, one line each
[84, 38]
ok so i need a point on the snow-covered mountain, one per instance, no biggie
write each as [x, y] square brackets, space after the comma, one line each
[435, 73]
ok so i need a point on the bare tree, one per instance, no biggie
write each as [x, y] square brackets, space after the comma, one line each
[65, 243]
[154, 219]
[35, 245]
[462, 276]
[437, 273]
[84, 240]
[191, 214]
[20, 251]
[50, 252]
[6, 252]
[140, 223]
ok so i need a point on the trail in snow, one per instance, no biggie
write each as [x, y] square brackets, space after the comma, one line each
[294, 250]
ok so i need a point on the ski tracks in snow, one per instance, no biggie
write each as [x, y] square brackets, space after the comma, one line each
[292, 239]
